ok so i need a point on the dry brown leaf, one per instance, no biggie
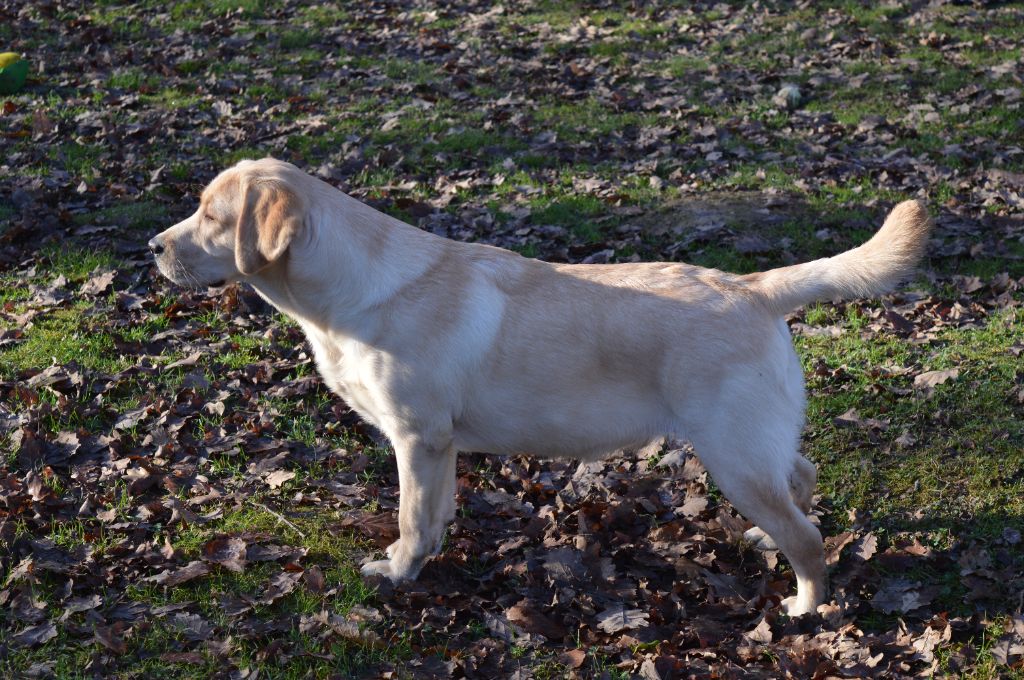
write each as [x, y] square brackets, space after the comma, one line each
[278, 477]
[619, 618]
[190, 571]
[533, 621]
[227, 551]
[34, 636]
[927, 381]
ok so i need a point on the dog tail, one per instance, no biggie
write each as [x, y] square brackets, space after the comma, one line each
[866, 271]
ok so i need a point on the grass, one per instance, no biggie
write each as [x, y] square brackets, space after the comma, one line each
[62, 337]
[80, 160]
[965, 476]
[131, 79]
[139, 215]
[572, 212]
[156, 637]
[76, 264]
[585, 120]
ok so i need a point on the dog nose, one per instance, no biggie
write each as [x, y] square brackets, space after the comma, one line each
[156, 246]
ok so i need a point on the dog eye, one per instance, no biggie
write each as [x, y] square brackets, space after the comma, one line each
[209, 217]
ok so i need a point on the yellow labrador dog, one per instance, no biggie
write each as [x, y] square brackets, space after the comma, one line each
[448, 347]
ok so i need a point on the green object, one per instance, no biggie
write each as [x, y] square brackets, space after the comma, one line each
[12, 77]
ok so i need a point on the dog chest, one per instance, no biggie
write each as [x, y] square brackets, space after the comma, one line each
[344, 367]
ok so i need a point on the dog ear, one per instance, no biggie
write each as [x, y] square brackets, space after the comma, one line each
[270, 218]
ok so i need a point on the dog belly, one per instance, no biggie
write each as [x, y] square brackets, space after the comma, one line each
[550, 444]
[587, 426]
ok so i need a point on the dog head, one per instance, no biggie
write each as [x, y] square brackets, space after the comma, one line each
[247, 218]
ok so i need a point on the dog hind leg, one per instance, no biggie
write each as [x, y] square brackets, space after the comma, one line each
[802, 482]
[754, 467]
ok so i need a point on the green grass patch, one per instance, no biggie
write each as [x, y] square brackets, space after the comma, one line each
[133, 215]
[132, 79]
[79, 160]
[574, 213]
[965, 472]
[76, 263]
[174, 97]
[63, 336]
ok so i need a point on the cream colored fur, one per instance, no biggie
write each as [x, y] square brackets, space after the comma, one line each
[448, 347]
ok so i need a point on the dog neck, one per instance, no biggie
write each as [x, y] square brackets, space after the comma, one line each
[346, 264]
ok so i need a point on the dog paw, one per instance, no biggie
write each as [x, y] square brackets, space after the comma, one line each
[397, 568]
[760, 539]
[792, 607]
[377, 568]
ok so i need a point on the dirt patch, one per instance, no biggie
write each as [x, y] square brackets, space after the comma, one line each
[736, 230]
[725, 212]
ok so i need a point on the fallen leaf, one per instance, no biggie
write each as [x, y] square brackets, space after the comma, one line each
[761, 633]
[899, 595]
[227, 551]
[866, 546]
[351, 630]
[927, 381]
[189, 361]
[618, 618]
[573, 658]
[183, 657]
[694, 505]
[81, 604]
[277, 478]
[98, 283]
[110, 638]
[532, 621]
[27, 608]
[34, 636]
[190, 571]
[834, 546]
[279, 586]
[314, 579]
[849, 419]
[563, 564]
[193, 626]
[48, 556]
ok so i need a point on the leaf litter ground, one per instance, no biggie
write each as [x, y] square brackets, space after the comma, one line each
[181, 495]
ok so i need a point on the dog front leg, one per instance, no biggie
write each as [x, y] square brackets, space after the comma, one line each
[426, 504]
